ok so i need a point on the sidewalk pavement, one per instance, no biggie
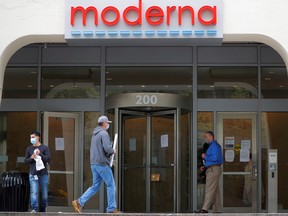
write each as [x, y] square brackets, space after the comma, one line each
[137, 214]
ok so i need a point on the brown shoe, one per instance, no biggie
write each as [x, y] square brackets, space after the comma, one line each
[115, 211]
[77, 206]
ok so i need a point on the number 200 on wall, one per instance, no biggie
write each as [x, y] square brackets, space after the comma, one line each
[146, 99]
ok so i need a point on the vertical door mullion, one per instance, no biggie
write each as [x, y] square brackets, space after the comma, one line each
[148, 165]
[254, 161]
[176, 167]
[122, 173]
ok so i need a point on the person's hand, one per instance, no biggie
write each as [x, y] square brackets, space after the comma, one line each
[37, 152]
[33, 156]
[203, 155]
[115, 151]
[202, 168]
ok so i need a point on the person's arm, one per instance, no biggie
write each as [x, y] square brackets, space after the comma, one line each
[45, 156]
[212, 154]
[107, 145]
[28, 158]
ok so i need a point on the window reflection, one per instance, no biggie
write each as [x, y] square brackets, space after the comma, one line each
[186, 169]
[205, 123]
[227, 82]
[70, 82]
[274, 82]
[20, 83]
[149, 79]
[61, 191]
[15, 129]
[274, 136]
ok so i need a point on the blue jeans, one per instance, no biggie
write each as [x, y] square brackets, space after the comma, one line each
[34, 190]
[100, 173]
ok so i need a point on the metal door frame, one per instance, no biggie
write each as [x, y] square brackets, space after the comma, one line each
[77, 149]
[148, 167]
[240, 115]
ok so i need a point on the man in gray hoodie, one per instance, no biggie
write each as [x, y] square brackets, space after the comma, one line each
[101, 150]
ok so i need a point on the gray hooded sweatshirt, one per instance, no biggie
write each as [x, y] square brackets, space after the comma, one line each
[101, 147]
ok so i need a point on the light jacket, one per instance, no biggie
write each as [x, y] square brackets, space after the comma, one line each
[101, 147]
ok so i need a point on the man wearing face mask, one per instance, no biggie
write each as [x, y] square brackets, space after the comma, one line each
[37, 156]
[101, 150]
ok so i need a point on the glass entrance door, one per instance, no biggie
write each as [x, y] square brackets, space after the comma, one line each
[148, 161]
[61, 134]
[237, 135]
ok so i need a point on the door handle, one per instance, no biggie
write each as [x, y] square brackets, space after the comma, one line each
[254, 173]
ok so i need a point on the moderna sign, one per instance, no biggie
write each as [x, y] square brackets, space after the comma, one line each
[143, 19]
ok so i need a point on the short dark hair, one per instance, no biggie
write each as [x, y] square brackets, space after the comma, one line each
[100, 124]
[210, 132]
[37, 133]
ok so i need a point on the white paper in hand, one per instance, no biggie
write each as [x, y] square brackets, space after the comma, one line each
[39, 162]
[114, 147]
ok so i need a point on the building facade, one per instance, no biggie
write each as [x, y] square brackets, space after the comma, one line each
[162, 95]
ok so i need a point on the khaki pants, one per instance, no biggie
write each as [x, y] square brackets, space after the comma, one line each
[212, 190]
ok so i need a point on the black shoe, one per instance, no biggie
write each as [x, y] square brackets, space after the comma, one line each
[201, 211]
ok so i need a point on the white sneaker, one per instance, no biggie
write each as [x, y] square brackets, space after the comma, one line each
[33, 211]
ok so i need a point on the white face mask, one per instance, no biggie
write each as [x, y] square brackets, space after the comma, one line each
[33, 140]
[107, 126]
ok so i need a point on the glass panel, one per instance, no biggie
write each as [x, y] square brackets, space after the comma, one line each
[149, 79]
[162, 161]
[89, 125]
[274, 82]
[205, 123]
[162, 189]
[186, 169]
[15, 129]
[61, 192]
[234, 194]
[275, 136]
[227, 82]
[135, 189]
[237, 188]
[134, 162]
[70, 82]
[20, 83]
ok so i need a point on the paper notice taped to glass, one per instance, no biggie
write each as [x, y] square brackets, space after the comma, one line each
[229, 155]
[244, 155]
[164, 141]
[59, 144]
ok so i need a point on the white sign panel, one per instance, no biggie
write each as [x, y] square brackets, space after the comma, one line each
[59, 144]
[132, 144]
[272, 157]
[244, 155]
[229, 155]
[229, 142]
[110, 19]
[245, 144]
[164, 141]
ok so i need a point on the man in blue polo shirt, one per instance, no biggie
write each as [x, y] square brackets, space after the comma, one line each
[213, 161]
